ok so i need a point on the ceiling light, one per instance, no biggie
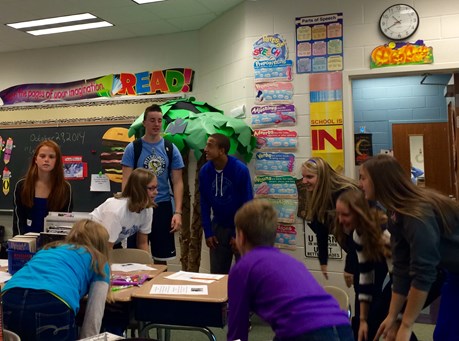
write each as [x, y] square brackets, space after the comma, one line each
[52, 21]
[77, 22]
[71, 28]
[141, 2]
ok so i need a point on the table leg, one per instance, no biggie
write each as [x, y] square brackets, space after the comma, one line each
[168, 327]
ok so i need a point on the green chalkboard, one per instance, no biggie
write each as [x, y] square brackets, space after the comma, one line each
[79, 140]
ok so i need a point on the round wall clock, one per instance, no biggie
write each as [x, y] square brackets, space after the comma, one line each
[399, 22]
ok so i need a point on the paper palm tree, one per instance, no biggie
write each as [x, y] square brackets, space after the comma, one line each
[188, 123]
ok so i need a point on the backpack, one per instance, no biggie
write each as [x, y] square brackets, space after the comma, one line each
[169, 149]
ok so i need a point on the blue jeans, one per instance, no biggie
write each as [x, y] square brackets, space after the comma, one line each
[222, 255]
[38, 315]
[336, 333]
[447, 327]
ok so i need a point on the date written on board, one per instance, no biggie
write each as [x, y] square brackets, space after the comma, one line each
[60, 137]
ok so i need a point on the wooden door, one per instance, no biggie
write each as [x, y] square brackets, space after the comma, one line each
[437, 152]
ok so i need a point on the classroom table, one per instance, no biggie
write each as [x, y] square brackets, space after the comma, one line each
[182, 312]
[124, 295]
[119, 312]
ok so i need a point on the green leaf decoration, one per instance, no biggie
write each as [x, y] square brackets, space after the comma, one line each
[188, 123]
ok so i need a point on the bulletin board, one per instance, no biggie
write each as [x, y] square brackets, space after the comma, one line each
[78, 129]
[78, 140]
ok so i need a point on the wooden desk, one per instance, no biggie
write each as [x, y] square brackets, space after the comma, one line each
[119, 313]
[124, 295]
[190, 312]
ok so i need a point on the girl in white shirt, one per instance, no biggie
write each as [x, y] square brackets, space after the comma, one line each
[131, 210]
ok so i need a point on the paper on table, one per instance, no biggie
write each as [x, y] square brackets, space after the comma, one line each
[3, 262]
[4, 276]
[163, 289]
[195, 277]
[128, 267]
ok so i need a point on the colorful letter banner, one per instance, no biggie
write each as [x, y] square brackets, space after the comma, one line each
[286, 209]
[270, 71]
[273, 115]
[326, 115]
[271, 139]
[319, 43]
[275, 93]
[285, 237]
[274, 163]
[270, 47]
[275, 187]
[143, 83]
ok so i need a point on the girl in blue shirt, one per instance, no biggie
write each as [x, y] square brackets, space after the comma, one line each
[41, 300]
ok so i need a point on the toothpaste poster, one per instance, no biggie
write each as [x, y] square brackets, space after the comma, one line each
[286, 209]
[275, 187]
[271, 71]
[285, 237]
[273, 115]
[272, 139]
[275, 92]
[274, 163]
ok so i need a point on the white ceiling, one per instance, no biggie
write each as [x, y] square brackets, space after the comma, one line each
[129, 19]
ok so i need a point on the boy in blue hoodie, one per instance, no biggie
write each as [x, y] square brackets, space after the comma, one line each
[224, 186]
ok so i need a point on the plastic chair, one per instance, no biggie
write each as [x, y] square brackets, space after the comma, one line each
[341, 296]
[130, 256]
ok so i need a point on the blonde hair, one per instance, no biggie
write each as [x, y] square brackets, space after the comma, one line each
[329, 182]
[257, 219]
[395, 191]
[93, 237]
[136, 190]
[367, 225]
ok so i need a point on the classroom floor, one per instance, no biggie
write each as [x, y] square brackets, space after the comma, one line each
[262, 332]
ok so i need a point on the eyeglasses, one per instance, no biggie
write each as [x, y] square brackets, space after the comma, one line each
[152, 188]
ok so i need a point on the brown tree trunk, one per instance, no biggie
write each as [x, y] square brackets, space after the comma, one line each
[194, 258]
[184, 236]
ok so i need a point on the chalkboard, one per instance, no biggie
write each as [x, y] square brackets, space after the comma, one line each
[81, 140]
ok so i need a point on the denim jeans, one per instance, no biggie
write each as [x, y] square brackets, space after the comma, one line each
[221, 257]
[38, 315]
[337, 333]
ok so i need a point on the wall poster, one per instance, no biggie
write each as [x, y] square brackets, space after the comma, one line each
[319, 43]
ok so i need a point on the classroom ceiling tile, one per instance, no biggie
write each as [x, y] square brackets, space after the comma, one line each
[130, 20]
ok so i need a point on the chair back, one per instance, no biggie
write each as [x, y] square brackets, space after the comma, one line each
[341, 296]
[130, 256]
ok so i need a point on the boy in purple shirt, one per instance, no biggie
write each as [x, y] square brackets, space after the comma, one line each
[277, 287]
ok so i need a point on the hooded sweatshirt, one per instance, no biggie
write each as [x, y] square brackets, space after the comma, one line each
[224, 192]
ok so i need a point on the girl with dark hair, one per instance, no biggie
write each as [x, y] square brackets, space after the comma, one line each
[424, 227]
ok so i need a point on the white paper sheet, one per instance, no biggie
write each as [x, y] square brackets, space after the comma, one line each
[99, 183]
[195, 277]
[4, 276]
[160, 289]
[128, 267]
